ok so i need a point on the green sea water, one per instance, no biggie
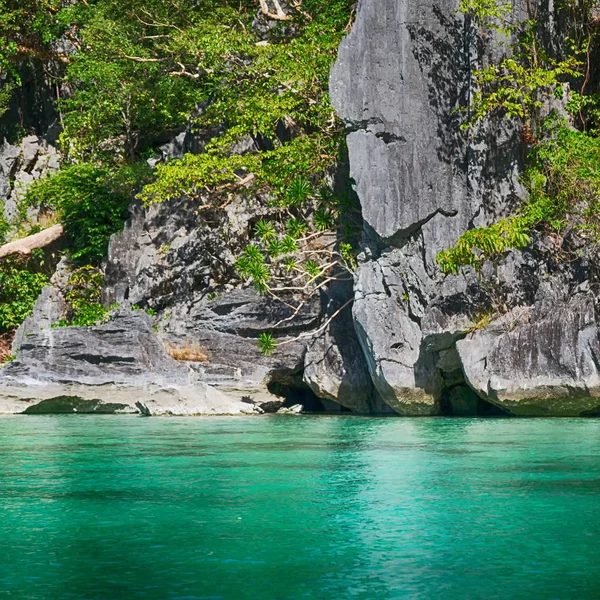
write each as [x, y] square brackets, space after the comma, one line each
[298, 507]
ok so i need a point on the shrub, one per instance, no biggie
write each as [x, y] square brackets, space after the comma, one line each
[563, 181]
[84, 296]
[19, 290]
[92, 204]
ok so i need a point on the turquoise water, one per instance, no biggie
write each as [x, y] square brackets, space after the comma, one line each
[298, 507]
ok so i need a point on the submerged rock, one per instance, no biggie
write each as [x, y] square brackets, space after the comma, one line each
[296, 409]
[65, 405]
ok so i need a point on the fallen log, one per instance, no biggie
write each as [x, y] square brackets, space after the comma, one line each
[24, 246]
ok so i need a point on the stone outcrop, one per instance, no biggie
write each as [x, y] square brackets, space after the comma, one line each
[335, 368]
[181, 265]
[520, 338]
[400, 76]
[534, 365]
[105, 369]
[20, 166]
[398, 79]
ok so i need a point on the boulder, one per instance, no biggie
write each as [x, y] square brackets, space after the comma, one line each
[296, 409]
[335, 367]
[532, 365]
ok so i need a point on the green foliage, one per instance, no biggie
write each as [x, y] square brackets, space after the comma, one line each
[523, 82]
[19, 289]
[489, 13]
[586, 107]
[139, 69]
[132, 53]
[252, 265]
[563, 181]
[26, 29]
[563, 176]
[518, 87]
[84, 297]
[6, 92]
[5, 226]
[258, 89]
[8, 359]
[149, 311]
[91, 203]
[267, 343]
[348, 254]
[483, 243]
[194, 175]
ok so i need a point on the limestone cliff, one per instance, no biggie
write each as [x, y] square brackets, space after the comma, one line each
[416, 341]
[422, 182]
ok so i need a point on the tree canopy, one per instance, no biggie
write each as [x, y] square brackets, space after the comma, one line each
[131, 74]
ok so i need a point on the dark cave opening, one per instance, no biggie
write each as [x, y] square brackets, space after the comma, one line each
[461, 401]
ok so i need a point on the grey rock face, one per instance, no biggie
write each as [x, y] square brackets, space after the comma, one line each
[121, 362]
[180, 264]
[422, 182]
[20, 166]
[205, 401]
[49, 308]
[388, 325]
[399, 77]
[532, 365]
[335, 368]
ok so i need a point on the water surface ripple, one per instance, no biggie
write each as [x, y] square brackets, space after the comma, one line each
[278, 508]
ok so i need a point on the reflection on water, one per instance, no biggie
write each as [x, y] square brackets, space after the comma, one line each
[307, 507]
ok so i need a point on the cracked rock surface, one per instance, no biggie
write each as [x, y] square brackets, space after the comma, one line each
[106, 369]
[435, 344]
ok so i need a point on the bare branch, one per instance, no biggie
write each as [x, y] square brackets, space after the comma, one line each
[141, 59]
[278, 15]
[25, 246]
[322, 328]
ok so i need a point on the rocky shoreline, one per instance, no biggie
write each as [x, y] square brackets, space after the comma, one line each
[520, 339]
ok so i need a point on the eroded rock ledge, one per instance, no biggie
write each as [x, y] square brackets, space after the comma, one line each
[106, 369]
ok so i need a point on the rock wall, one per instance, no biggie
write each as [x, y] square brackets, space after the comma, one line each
[522, 339]
[106, 369]
[179, 264]
[400, 76]
[20, 165]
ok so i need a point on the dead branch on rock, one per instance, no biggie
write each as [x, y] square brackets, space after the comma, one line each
[312, 334]
[278, 15]
[25, 246]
